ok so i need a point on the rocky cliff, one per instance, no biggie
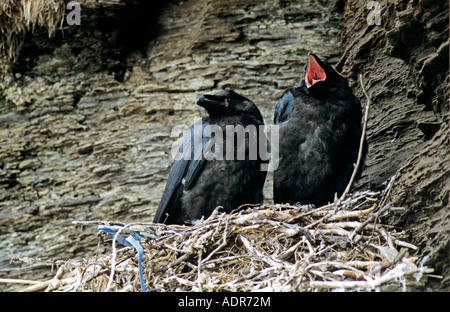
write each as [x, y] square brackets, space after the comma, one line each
[88, 112]
[403, 55]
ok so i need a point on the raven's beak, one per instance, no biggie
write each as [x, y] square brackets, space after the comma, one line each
[314, 72]
[211, 101]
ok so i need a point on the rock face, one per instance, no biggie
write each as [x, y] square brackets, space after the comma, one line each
[405, 64]
[88, 117]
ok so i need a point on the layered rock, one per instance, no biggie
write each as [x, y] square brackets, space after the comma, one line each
[404, 59]
[88, 117]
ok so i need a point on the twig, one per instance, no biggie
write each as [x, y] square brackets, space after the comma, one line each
[399, 271]
[223, 244]
[199, 281]
[361, 144]
[370, 219]
[113, 261]
[114, 253]
[98, 222]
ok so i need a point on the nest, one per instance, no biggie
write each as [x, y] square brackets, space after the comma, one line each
[18, 17]
[340, 246]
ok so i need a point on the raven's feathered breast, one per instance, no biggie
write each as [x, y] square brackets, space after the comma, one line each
[319, 137]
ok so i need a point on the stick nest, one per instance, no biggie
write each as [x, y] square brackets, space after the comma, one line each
[340, 246]
[18, 17]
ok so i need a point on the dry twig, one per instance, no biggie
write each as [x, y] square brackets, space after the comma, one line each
[361, 143]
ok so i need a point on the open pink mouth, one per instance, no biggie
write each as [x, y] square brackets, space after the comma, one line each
[314, 72]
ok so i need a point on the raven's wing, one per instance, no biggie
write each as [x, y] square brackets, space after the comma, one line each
[284, 107]
[185, 170]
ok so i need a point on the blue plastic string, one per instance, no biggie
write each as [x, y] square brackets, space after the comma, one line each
[131, 241]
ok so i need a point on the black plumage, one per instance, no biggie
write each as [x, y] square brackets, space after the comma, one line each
[199, 182]
[319, 129]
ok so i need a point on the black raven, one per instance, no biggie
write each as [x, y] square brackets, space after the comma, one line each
[218, 162]
[319, 131]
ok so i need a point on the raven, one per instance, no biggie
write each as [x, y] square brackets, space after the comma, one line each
[319, 133]
[202, 177]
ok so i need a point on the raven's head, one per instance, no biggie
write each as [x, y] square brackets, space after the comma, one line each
[228, 103]
[320, 74]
